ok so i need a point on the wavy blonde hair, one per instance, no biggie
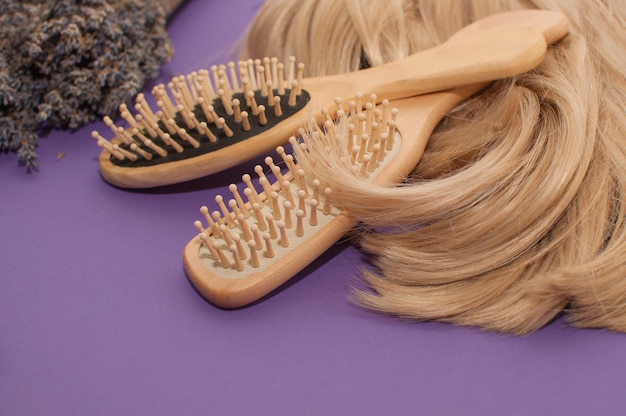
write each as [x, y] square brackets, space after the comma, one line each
[520, 194]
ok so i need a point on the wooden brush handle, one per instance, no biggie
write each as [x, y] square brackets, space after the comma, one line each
[485, 55]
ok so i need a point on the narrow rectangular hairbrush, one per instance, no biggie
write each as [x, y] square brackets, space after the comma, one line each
[243, 251]
[209, 121]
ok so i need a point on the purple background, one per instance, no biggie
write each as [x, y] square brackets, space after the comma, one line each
[98, 318]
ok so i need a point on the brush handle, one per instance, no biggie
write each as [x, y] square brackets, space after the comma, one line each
[486, 55]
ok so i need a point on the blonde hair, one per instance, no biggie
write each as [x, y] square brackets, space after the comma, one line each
[520, 193]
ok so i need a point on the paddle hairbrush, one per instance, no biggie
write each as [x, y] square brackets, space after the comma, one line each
[244, 250]
[212, 120]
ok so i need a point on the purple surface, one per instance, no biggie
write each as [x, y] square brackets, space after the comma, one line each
[98, 318]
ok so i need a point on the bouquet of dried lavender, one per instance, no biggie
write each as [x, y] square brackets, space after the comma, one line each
[64, 63]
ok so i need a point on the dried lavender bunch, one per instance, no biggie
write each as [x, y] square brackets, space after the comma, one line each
[64, 63]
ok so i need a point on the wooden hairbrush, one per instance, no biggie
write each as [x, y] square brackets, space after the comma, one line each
[243, 251]
[212, 120]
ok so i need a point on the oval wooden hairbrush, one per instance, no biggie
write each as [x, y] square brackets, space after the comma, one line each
[245, 250]
[210, 121]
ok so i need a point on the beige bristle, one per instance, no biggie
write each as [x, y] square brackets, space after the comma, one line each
[266, 66]
[171, 142]
[254, 256]
[383, 146]
[221, 255]
[245, 227]
[215, 75]
[288, 159]
[251, 74]
[285, 185]
[270, 93]
[291, 70]
[228, 107]
[252, 103]
[275, 205]
[374, 136]
[329, 129]
[217, 217]
[144, 107]
[234, 208]
[205, 109]
[199, 227]
[262, 116]
[278, 111]
[251, 195]
[359, 104]
[271, 228]
[284, 240]
[126, 153]
[373, 99]
[316, 189]
[280, 78]
[313, 212]
[187, 137]
[302, 200]
[236, 257]
[208, 133]
[265, 184]
[360, 122]
[242, 206]
[374, 158]
[184, 112]
[352, 108]
[213, 114]
[237, 110]
[269, 250]
[208, 244]
[363, 168]
[392, 129]
[245, 121]
[226, 235]
[262, 81]
[287, 214]
[300, 223]
[171, 126]
[224, 84]
[293, 94]
[155, 127]
[254, 228]
[362, 147]
[233, 76]
[258, 214]
[204, 210]
[258, 169]
[274, 62]
[123, 110]
[205, 81]
[277, 174]
[299, 78]
[300, 174]
[219, 199]
[247, 179]
[143, 153]
[239, 246]
[159, 150]
[105, 144]
[260, 76]
[326, 206]
[222, 125]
